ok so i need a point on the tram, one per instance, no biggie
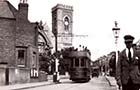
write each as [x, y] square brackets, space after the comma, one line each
[79, 66]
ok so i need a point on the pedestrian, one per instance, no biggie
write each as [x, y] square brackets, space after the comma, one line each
[127, 70]
[80, 48]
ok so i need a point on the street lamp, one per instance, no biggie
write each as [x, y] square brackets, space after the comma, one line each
[56, 76]
[116, 32]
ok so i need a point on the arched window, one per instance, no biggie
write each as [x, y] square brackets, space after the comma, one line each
[66, 23]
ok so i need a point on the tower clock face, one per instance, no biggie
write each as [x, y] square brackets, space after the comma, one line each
[66, 23]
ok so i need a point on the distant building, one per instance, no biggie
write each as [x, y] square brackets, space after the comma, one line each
[45, 50]
[62, 23]
[44, 38]
[137, 45]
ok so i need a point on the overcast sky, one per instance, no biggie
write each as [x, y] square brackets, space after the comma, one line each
[94, 18]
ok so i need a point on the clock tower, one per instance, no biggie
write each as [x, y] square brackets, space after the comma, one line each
[62, 23]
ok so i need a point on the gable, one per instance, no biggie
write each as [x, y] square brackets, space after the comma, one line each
[5, 10]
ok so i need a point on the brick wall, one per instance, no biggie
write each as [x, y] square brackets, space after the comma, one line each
[25, 34]
[19, 75]
[7, 44]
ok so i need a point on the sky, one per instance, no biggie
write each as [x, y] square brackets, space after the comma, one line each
[94, 18]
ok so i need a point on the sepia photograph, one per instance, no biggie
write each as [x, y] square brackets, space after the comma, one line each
[69, 45]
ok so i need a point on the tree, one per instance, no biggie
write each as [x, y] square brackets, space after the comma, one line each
[45, 61]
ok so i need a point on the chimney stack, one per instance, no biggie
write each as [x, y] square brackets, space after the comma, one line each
[23, 9]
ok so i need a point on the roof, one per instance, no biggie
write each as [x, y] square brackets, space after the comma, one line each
[7, 10]
[77, 54]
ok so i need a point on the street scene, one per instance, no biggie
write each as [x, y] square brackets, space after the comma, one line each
[69, 45]
[100, 83]
[94, 84]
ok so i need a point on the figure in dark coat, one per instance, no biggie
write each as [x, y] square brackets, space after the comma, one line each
[127, 70]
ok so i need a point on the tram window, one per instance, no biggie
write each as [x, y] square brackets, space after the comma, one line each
[72, 63]
[87, 63]
[82, 62]
[76, 62]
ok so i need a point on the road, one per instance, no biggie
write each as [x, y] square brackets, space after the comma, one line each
[94, 84]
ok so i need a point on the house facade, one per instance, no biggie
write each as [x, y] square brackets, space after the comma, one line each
[18, 44]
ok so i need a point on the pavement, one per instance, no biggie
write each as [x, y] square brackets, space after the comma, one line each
[111, 81]
[32, 85]
[26, 85]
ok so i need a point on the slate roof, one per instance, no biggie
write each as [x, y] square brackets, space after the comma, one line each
[7, 10]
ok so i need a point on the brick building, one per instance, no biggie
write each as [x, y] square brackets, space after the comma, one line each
[18, 44]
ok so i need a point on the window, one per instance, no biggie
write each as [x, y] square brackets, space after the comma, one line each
[82, 62]
[77, 62]
[66, 23]
[34, 60]
[21, 56]
[72, 62]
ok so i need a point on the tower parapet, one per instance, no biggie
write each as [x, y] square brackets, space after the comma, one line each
[62, 6]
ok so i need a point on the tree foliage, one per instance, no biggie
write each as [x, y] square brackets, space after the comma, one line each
[45, 61]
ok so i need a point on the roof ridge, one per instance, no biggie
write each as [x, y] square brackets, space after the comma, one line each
[7, 10]
[12, 8]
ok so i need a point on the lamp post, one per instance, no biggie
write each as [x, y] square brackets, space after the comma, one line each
[56, 73]
[116, 32]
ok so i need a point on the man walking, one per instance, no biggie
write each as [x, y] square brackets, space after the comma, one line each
[127, 70]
